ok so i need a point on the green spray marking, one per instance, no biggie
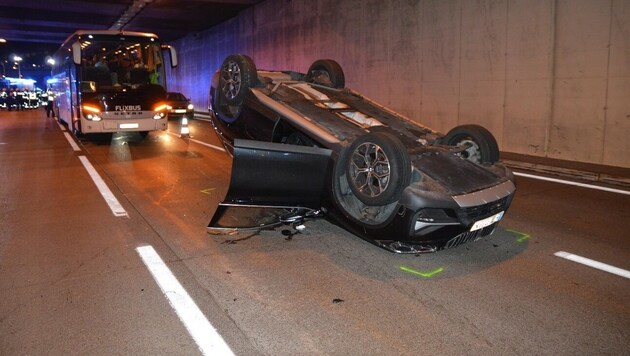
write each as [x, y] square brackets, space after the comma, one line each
[523, 237]
[422, 274]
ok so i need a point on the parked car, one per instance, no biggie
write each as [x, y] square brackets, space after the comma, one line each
[305, 146]
[179, 106]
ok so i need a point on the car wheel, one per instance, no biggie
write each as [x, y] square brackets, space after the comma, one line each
[377, 168]
[481, 148]
[326, 72]
[238, 73]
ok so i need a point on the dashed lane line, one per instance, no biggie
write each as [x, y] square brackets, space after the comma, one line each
[205, 335]
[199, 142]
[594, 264]
[116, 208]
[74, 145]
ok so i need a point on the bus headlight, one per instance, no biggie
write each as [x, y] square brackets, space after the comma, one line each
[160, 111]
[91, 112]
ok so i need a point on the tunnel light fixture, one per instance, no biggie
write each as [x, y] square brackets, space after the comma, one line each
[130, 13]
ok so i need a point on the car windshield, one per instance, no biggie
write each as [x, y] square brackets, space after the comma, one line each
[176, 97]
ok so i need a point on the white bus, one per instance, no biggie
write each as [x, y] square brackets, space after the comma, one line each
[111, 81]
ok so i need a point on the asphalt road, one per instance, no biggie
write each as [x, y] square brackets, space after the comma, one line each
[73, 279]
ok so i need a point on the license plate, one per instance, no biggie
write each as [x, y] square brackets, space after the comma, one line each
[487, 221]
[128, 126]
[180, 111]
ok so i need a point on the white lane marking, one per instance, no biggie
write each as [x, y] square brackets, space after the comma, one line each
[209, 145]
[205, 335]
[71, 141]
[107, 194]
[555, 180]
[592, 263]
[202, 117]
[200, 142]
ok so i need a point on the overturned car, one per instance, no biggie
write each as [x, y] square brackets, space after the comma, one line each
[305, 146]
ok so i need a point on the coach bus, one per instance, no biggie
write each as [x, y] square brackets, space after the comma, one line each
[111, 81]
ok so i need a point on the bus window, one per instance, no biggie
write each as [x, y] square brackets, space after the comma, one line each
[114, 64]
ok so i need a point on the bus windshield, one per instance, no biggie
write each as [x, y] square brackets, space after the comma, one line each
[110, 64]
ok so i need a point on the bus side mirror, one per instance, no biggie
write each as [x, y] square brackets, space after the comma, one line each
[76, 53]
[173, 54]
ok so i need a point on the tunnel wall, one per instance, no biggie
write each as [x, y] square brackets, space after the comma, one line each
[548, 78]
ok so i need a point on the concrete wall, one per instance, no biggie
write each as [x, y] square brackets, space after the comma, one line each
[549, 78]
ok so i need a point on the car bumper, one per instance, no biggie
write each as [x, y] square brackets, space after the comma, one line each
[429, 222]
[180, 113]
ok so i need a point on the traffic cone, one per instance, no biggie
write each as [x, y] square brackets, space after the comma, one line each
[185, 131]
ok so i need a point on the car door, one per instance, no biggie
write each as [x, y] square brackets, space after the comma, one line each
[270, 180]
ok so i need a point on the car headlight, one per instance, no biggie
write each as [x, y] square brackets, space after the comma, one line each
[190, 106]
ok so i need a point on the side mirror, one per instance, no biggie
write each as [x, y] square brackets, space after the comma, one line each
[173, 54]
[76, 53]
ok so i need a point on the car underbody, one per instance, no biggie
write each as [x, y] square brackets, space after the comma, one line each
[313, 150]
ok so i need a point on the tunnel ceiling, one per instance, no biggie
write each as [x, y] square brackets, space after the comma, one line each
[50, 22]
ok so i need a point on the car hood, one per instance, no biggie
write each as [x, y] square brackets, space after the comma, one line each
[451, 174]
[443, 180]
[178, 104]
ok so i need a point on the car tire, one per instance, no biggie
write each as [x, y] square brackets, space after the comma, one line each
[238, 73]
[228, 95]
[377, 168]
[326, 72]
[483, 146]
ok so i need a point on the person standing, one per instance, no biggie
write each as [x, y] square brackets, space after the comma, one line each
[50, 97]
